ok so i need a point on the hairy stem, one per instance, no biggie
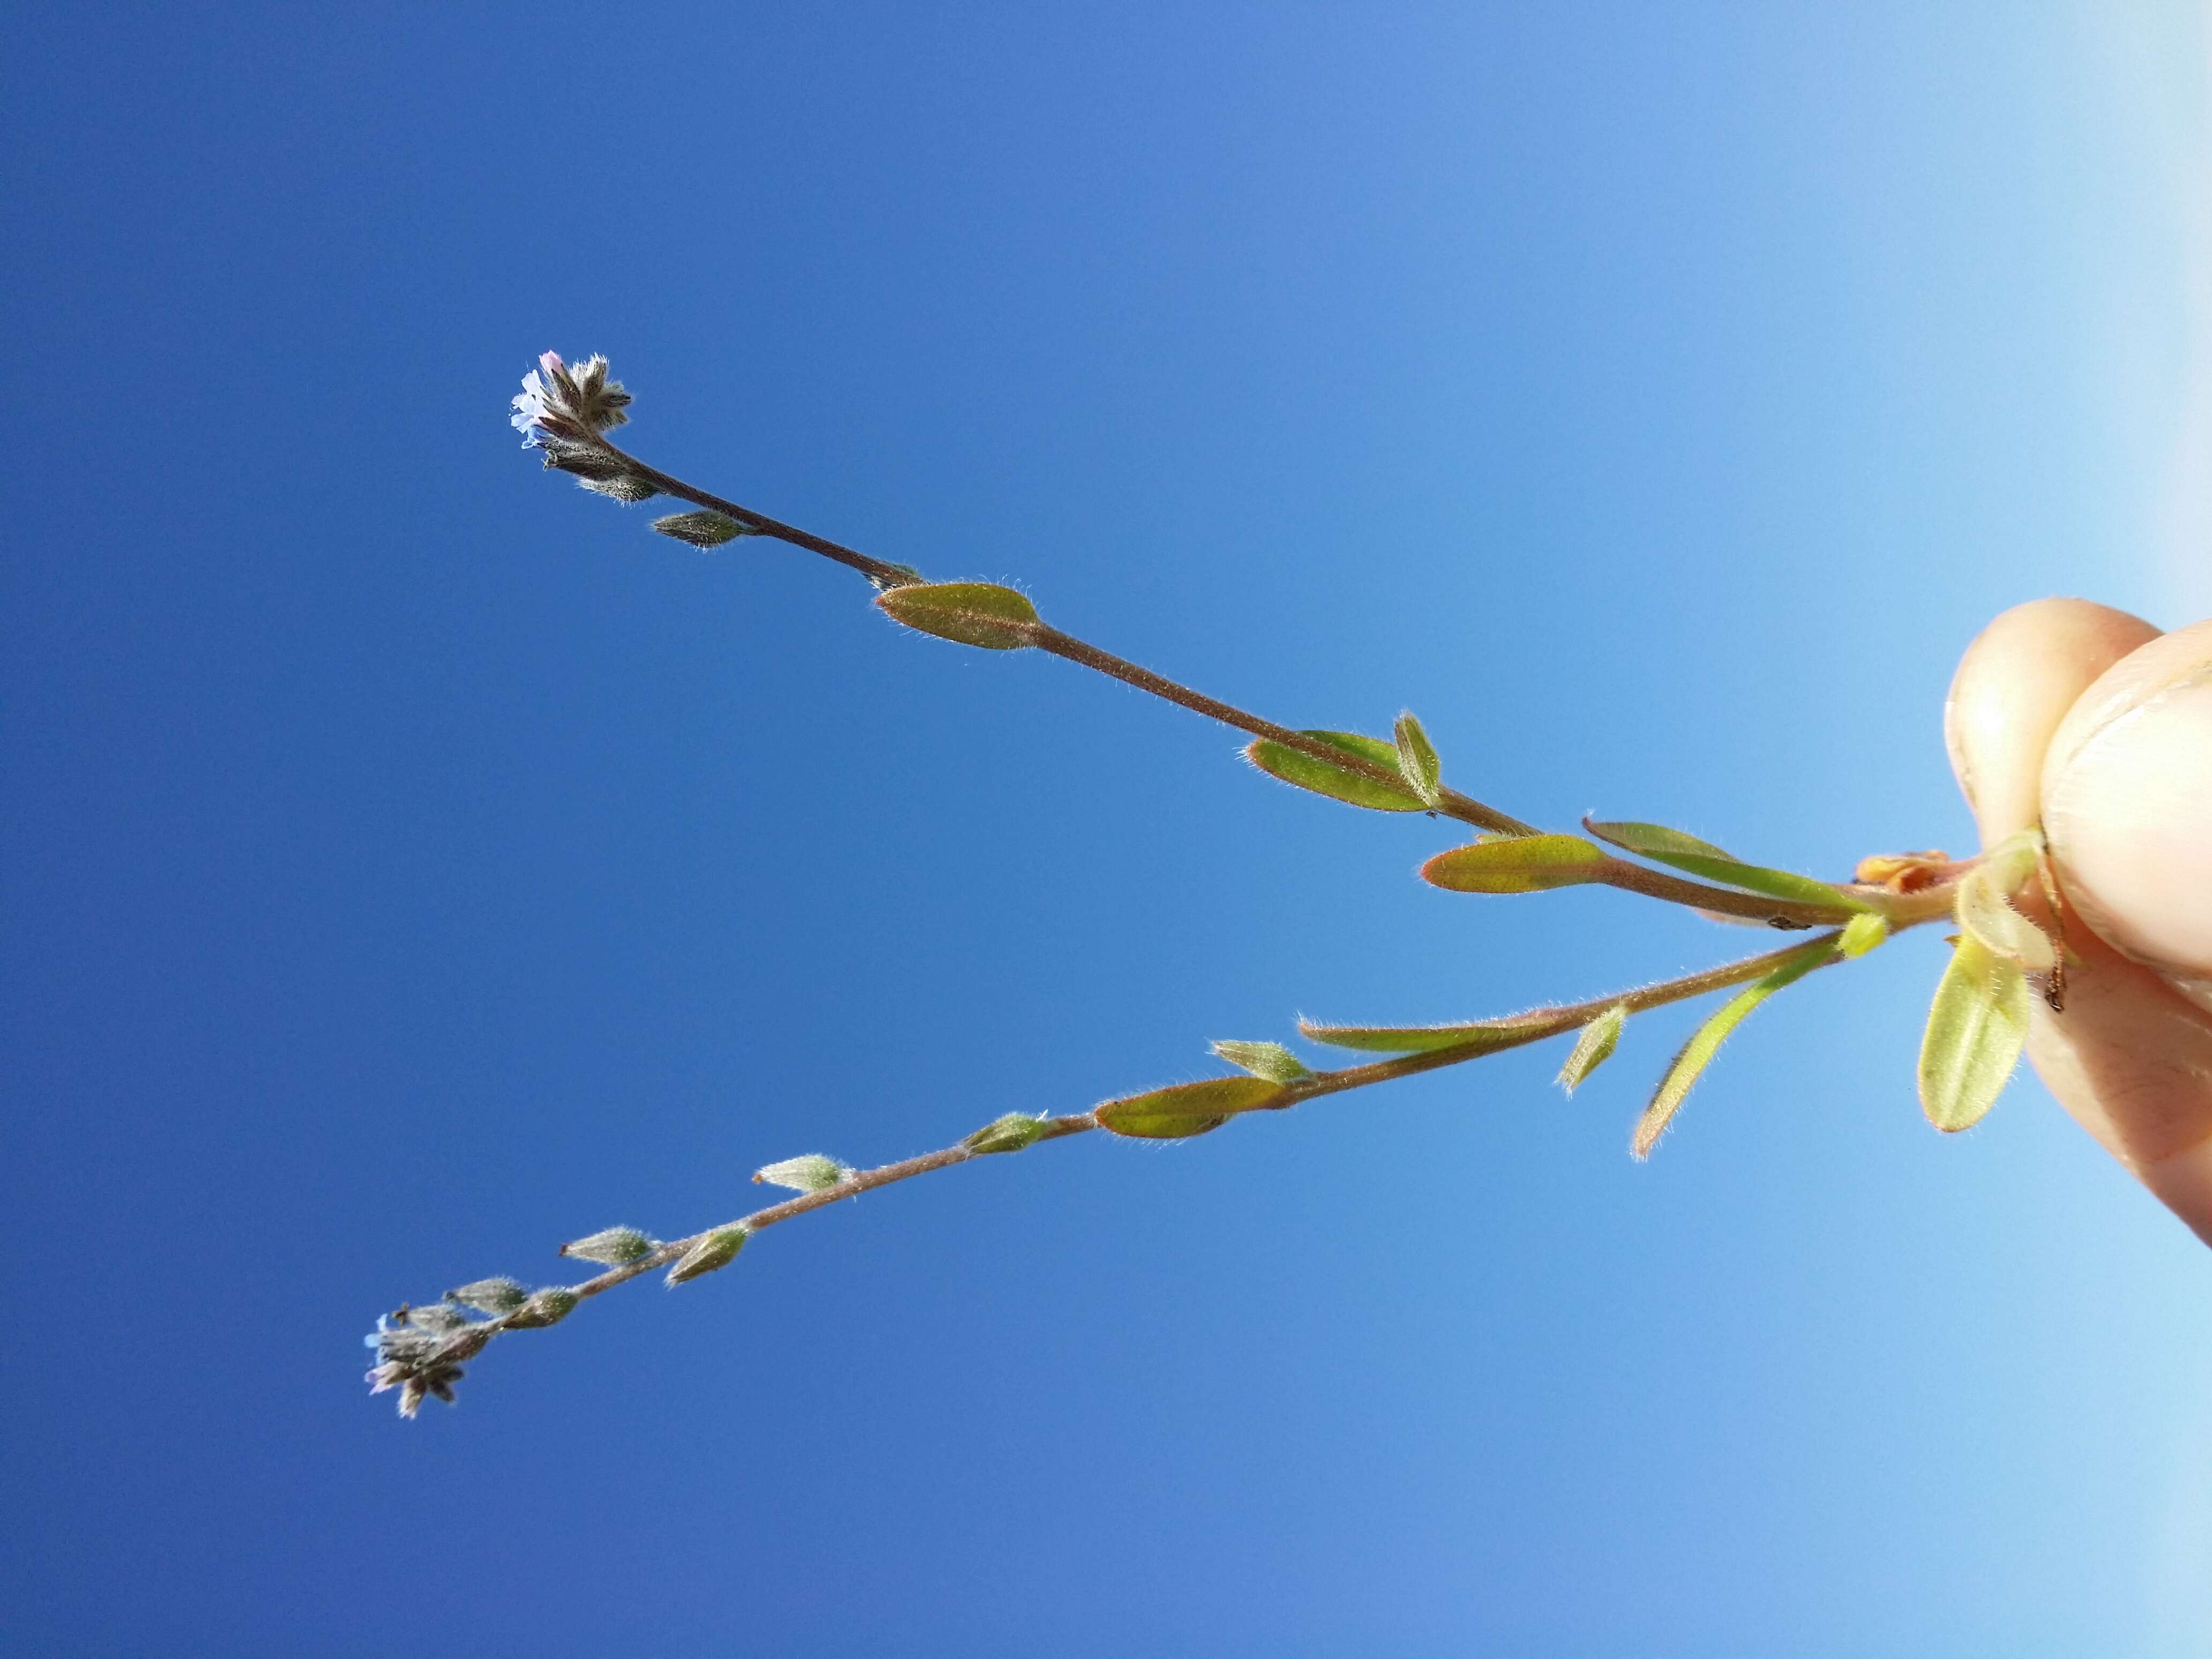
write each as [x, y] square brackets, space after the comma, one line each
[1533, 1026]
[1615, 873]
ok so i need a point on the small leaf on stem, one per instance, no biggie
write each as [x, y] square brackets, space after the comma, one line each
[1479, 1034]
[1705, 1041]
[813, 1173]
[491, 1296]
[1010, 1133]
[1268, 1059]
[1305, 772]
[1594, 1047]
[547, 1307]
[1977, 1026]
[1861, 934]
[968, 613]
[1188, 1108]
[717, 1250]
[1416, 760]
[1701, 858]
[1516, 864]
[701, 529]
[617, 1247]
[1985, 914]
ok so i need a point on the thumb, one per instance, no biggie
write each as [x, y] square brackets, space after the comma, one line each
[2127, 803]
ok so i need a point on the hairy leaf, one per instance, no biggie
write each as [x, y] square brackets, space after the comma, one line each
[1306, 772]
[1188, 1108]
[1985, 916]
[1268, 1059]
[1706, 1041]
[1416, 760]
[1977, 1027]
[1701, 858]
[1861, 934]
[969, 613]
[1479, 1035]
[1516, 864]
[1594, 1047]
[1010, 1133]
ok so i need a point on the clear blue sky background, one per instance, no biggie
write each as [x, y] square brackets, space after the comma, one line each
[411, 862]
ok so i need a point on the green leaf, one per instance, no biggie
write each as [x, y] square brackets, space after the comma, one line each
[615, 1247]
[1268, 1059]
[1010, 1133]
[1480, 1035]
[1293, 767]
[1977, 1027]
[1985, 916]
[1416, 760]
[1706, 1041]
[716, 1251]
[810, 1173]
[1701, 858]
[1594, 1047]
[699, 529]
[547, 1307]
[491, 1296]
[1187, 1108]
[1861, 934]
[969, 613]
[1516, 864]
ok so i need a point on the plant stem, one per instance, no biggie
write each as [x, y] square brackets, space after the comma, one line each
[1615, 873]
[1537, 1024]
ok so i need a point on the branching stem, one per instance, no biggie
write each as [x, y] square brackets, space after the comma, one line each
[424, 1365]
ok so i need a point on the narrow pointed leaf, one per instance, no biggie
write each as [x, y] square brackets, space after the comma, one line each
[1268, 1059]
[1986, 915]
[1706, 1041]
[969, 613]
[1188, 1108]
[1517, 864]
[1977, 1027]
[1479, 1035]
[1306, 772]
[1594, 1047]
[1701, 858]
[1416, 760]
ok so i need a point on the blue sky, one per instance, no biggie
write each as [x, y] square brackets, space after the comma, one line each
[411, 862]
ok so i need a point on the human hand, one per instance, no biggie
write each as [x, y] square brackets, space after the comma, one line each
[2098, 724]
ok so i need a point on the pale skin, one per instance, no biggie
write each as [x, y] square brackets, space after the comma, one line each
[2093, 722]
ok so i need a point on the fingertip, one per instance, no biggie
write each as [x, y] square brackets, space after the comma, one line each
[2127, 799]
[2012, 691]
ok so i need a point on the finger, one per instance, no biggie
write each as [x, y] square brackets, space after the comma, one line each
[2127, 801]
[2014, 687]
[2130, 1059]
